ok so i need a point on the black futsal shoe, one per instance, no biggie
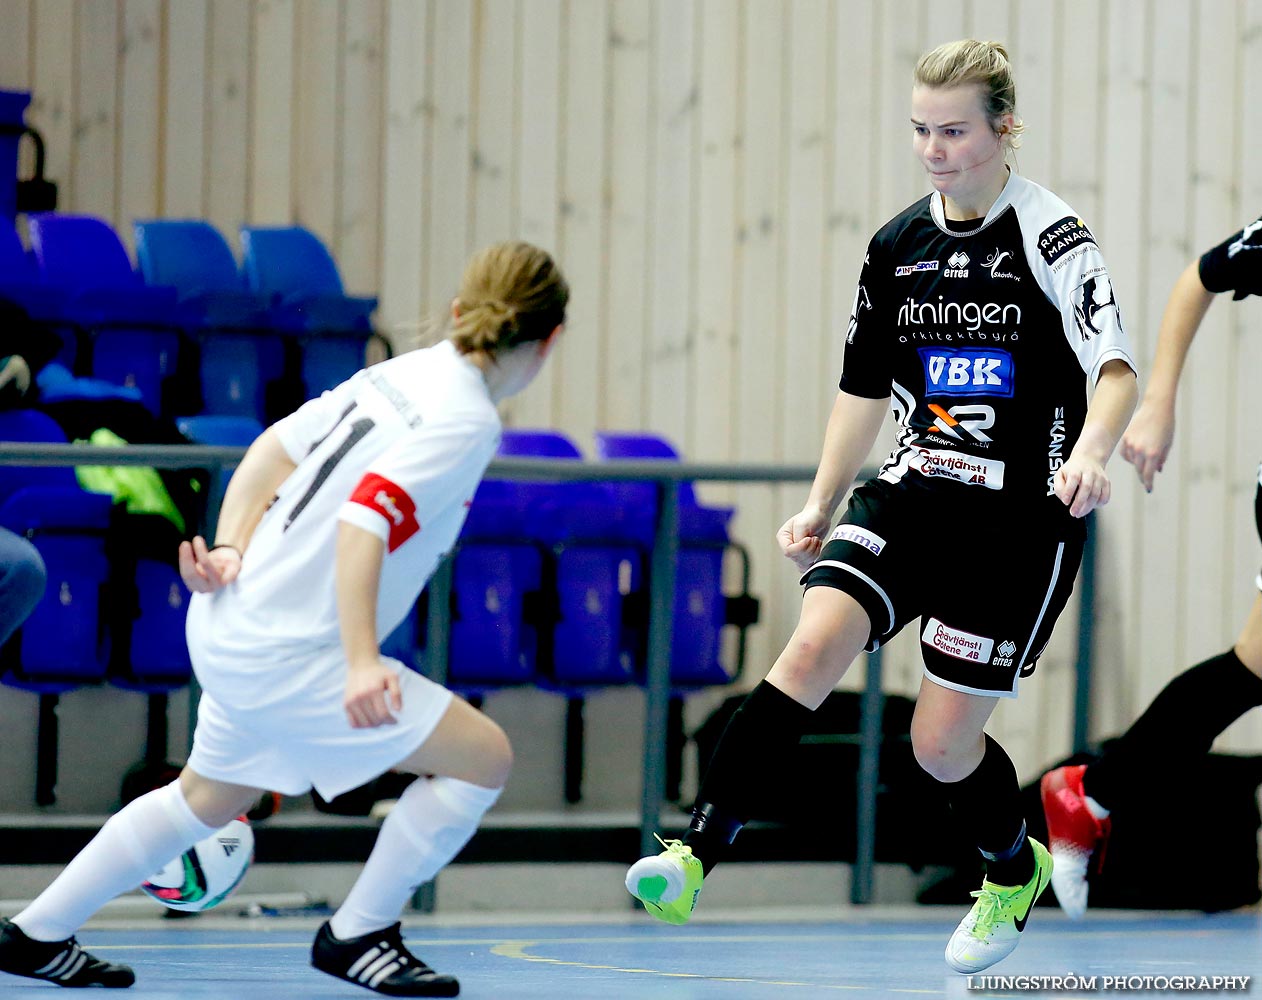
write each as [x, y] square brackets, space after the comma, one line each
[61, 962]
[379, 961]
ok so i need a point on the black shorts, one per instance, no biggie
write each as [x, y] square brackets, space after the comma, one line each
[987, 583]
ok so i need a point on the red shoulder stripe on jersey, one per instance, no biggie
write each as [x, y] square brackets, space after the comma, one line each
[391, 502]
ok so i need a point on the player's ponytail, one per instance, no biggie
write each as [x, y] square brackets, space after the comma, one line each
[511, 293]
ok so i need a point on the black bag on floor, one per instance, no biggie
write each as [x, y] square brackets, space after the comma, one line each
[1193, 845]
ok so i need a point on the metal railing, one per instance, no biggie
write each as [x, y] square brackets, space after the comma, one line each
[667, 476]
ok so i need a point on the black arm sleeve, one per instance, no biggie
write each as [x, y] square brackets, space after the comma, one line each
[1235, 265]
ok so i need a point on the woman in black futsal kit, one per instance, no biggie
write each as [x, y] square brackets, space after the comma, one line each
[980, 309]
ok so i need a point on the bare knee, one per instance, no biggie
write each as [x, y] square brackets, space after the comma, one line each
[215, 802]
[944, 756]
[496, 758]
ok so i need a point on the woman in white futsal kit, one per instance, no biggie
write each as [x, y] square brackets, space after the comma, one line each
[982, 311]
[330, 528]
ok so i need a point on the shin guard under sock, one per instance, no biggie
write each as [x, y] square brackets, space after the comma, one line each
[987, 805]
[1178, 727]
[751, 752]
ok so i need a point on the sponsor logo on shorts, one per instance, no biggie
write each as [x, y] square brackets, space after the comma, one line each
[920, 265]
[956, 642]
[1003, 654]
[1063, 236]
[970, 469]
[870, 540]
[967, 371]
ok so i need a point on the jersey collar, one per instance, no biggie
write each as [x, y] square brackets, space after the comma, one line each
[1006, 196]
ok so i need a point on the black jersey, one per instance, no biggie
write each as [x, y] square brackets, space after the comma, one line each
[981, 340]
[1235, 265]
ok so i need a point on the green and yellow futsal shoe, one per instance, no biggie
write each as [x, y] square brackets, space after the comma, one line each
[993, 927]
[669, 883]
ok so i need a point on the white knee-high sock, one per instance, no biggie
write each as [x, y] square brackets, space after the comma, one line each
[432, 820]
[133, 844]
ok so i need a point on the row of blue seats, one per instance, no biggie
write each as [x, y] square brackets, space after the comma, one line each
[550, 579]
[254, 340]
[549, 586]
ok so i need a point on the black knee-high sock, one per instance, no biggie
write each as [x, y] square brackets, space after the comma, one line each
[749, 754]
[987, 804]
[1179, 726]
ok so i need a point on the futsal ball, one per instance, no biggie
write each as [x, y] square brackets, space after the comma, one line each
[205, 874]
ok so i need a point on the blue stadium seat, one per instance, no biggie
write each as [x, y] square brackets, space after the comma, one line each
[701, 609]
[156, 658]
[64, 643]
[239, 332]
[293, 268]
[498, 585]
[700, 605]
[595, 566]
[135, 332]
[20, 280]
[231, 432]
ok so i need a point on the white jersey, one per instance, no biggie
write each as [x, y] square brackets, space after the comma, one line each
[398, 450]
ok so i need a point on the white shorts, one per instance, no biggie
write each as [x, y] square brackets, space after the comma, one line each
[283, 750]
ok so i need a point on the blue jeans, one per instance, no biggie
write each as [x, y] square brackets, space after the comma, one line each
[22, 579]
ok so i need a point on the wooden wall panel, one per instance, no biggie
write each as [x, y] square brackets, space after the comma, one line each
[228, 118]
[584, 216]
[359, 147]
[317, 118]
[182, 179]
[760, 510]
[538, 101]
[450, 154]
[52, 109]
[806, 399]
[139, 129]
[630, 84]
[404, 192]
[670, 341]
[711, 394]
[492, 194]
[15, 45]
[274, 110]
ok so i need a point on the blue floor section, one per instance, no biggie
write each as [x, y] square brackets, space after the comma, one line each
[861, 956]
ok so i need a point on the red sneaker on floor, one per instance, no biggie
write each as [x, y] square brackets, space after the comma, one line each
[1074, 835]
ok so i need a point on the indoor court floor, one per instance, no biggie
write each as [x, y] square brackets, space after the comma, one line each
[877, 953]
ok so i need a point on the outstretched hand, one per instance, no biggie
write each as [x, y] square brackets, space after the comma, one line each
[204, 571]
